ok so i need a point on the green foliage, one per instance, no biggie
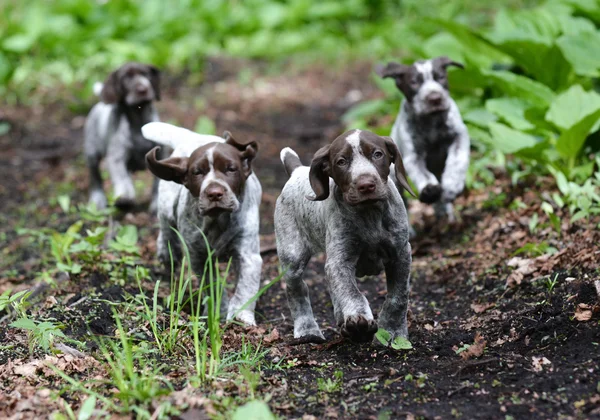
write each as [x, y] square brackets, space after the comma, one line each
[399, 343]
[18, 302]
[40, 334]
[258, 410]
[330, 385]
[527, 89]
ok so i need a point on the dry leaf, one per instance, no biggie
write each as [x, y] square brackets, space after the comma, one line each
[583, 312]
[481, 307]
[539, 362]
[272, 336]
[476, 349]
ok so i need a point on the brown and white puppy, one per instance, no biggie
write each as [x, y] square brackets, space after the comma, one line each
[208, 190]
[113, 130]
[430, 132]
[346, 205]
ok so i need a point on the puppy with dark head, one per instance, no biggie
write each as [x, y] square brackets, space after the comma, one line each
[430, 132]
[208, 190]
[113, 130]
[344, 204]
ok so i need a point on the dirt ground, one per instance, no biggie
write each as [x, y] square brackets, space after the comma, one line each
[532, 322]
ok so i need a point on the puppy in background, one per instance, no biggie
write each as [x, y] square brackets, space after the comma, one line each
[113, 130]
[208, 190]
[430, 132]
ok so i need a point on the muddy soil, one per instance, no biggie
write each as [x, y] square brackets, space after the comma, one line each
[534, 351]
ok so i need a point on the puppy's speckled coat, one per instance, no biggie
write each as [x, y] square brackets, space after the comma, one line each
[344, 205]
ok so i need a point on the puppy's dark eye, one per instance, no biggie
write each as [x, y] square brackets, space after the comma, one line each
[232, 168]
[378, 154]
[341, 162]
[199, 171]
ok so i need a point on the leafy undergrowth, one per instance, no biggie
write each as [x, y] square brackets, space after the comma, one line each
[504, 304]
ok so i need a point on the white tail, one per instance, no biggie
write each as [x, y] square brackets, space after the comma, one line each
[183, 141]
[98, 88]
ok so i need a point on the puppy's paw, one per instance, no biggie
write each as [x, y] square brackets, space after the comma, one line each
[307, 331]
[431, 193]
[359, 329]
[98, 199]
[247, 317]
[124, 203]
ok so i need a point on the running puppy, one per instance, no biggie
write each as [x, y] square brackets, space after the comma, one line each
[207, 187]
[344, 205]
[113, 130]
[430, 132]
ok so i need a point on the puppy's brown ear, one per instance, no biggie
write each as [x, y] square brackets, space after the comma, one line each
[319, 174]
[444, 62]
[396, 158]
[247, 151]
[171, 169]
[112, 91]
[155, 80]
[391, 69]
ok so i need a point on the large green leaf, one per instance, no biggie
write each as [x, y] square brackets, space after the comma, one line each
[528, 37]
[582, 51]
[572, 106]
[475, 48]
[511, 110]
[508, 140]
[512, 84]
[571, 141]
[256, 410]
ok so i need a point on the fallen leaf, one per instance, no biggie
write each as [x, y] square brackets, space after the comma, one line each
[481, 307]
[539, 362]
[476, 349]
[272, 336]
[583, 312]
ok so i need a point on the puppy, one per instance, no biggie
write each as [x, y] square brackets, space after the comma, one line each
[344, 205]
[113, 131]
[430, 132]
[208, 189]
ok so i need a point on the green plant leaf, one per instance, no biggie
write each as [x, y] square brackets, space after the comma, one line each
[571, 141]
[511, 110]
[582, 51]
[383, 336]
[255, 410]
[401, 343]
[480, 117]
[571, 106]
[87, 408]
[518, 86]
[24, 324]
[508, 140]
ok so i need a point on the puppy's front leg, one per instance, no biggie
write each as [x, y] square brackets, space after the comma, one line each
[393, 313]
[351, 309]
[120, 177]
[416, 167]
[97, 196]
[455, 169]
[248, 267]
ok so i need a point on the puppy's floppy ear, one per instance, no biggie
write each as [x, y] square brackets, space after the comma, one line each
[319, 174]
[247, 151]
[112, 91]
[154, 80]
[171, 169]
[391, 69]
[445, 62]
[396, 158]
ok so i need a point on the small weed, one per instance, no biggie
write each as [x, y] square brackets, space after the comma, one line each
[40, 334]
[331, 385]
[535, 250]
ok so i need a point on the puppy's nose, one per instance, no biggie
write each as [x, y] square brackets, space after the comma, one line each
[215, 192]
[434, 98]
[141, 89]
[365, 185]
